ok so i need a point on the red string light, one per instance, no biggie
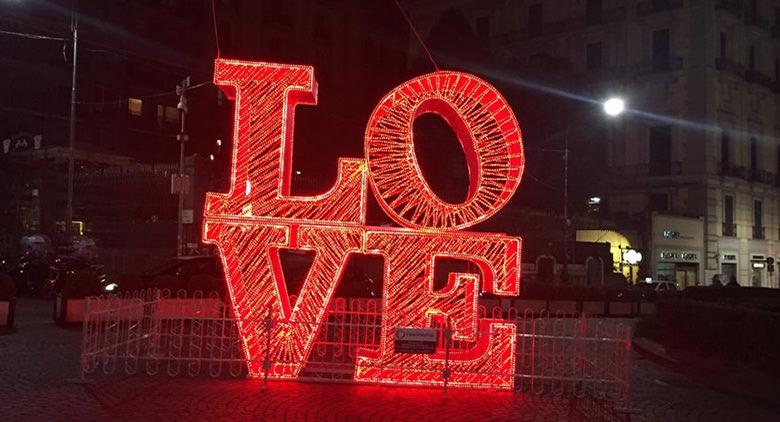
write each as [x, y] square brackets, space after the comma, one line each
[258, 216]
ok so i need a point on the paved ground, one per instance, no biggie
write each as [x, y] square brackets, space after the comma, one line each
[38, 359]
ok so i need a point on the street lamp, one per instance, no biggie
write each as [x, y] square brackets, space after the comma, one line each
[614, 106]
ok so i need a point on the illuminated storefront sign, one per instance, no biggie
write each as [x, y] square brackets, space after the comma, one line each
[678, 256]
[258, 217]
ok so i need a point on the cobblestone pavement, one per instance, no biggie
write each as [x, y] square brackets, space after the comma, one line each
[38, 359]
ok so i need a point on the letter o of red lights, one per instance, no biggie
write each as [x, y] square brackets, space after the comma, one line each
[488, 133]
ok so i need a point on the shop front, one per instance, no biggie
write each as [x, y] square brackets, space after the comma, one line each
[677, 245]
[728, 267]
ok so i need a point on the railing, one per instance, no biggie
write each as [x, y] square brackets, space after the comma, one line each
[731, 170]
[729, 229]
[659, 66]
[654, 6]
[761, 176]
[152, 332]
[758, 78]
[732, 6]
[728, 65]
[752, 17]
[615, 14]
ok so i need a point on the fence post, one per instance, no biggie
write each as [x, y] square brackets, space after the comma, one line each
[269, 324]
[82, 378]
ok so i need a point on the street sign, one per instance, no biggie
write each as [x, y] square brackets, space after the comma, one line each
[416, 340]
[187, 216]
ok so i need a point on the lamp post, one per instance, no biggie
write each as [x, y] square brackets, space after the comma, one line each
[72, 130]
[613, 107]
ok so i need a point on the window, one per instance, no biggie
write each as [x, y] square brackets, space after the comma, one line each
[722, 45]
[728, 216]
[660, 154]
[483, 27]
[593, 10]
[593, 56]
[724, 148]
[777, 17]
[135, 106]
[753, 154]
[661, 50]
[535, 19]
[658, 202]
[758, 223]
[777, 161]
[167, 114]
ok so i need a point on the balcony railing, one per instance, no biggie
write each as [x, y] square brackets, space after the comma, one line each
[758, 232]
[727, 65]
[615, 14]
[732, 6]
[761, 176]
[732, 170]
[655, 6]
[659, 66]
[752, 17]
[729, 230]
[756, 77]
[604, 74]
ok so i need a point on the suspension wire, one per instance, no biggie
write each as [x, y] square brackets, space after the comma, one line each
[417, 34]
[216, 32]
[143, 97]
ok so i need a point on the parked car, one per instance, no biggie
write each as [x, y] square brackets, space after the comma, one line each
[202, 273]
[649, 288]
[63, 266]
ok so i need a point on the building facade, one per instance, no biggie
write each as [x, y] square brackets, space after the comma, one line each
[699, 149]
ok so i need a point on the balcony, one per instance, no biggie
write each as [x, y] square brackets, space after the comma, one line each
[615, 14]
[729, 230]
[655, 6]
[753, 18]
[758, 232]
[760, 176]
[604, 74]
[661, 168]
[732, 170]
[660, 66]
[731, 6]
[727, 65]
[758, 78]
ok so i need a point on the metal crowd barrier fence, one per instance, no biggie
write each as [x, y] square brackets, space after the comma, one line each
[156, 332]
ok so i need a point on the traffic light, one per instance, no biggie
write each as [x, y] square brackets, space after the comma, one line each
[770, 264]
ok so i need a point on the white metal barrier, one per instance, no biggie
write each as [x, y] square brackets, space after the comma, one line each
[155, 332]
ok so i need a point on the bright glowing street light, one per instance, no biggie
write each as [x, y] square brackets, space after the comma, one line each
[614, 106]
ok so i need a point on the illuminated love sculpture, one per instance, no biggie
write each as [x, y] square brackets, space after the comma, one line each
[258, 217]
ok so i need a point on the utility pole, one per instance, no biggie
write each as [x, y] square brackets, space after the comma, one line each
[72, 139]
[181, 91]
